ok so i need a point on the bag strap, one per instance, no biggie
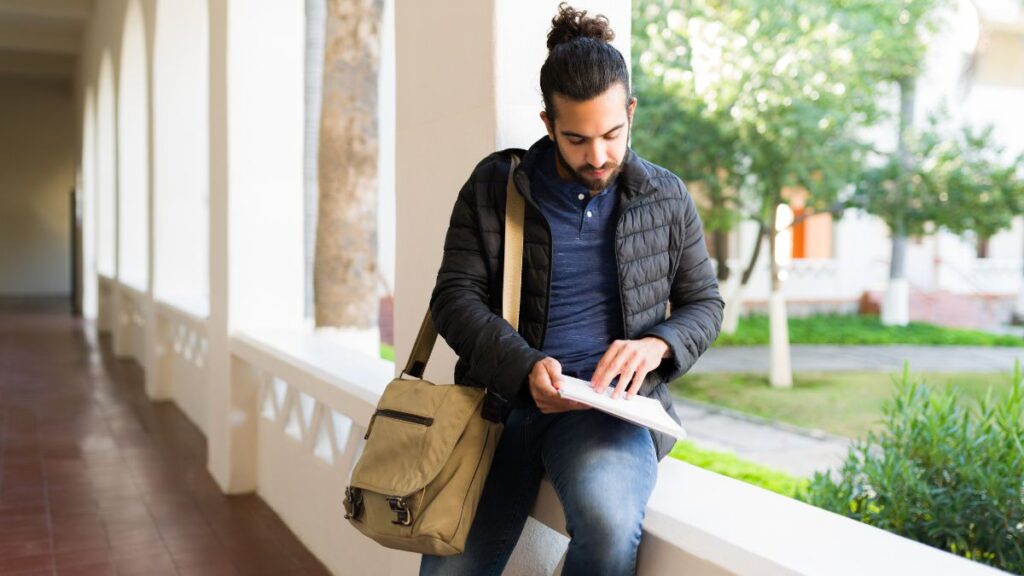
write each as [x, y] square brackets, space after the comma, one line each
[512, 279]
[515, 211]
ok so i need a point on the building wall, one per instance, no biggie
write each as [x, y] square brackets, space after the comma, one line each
[37, 173]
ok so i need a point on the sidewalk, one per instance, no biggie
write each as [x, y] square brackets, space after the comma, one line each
[776, 445]
[838, 358]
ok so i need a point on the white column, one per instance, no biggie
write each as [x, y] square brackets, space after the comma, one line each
[153, 349]
[460, 97]
[217, 441]
[256, 250]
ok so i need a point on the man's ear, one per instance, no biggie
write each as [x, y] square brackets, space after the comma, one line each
[631, 108]
[548, 124]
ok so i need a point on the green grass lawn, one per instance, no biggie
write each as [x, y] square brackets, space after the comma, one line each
[844, 403]
[729, 465]
[854, 329]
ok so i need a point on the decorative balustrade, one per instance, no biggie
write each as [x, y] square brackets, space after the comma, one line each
[989, 276]
[181, 360]
[130, 337]
[105, 295]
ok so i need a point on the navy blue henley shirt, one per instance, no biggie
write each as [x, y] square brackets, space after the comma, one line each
[585, 310]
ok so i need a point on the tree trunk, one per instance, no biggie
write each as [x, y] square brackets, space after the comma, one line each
[1018, 309]
[737, 287]
[781, 372]
[345, 270]
[720, 240]
[896, 306]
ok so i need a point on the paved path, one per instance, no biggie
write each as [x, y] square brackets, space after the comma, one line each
[786, 448]
[833, 358]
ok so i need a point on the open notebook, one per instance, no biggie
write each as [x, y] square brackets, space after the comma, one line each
[640, 410]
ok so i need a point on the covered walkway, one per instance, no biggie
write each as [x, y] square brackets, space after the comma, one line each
[96, 479]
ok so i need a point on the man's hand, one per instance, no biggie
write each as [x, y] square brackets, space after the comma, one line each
[631, 361]
[545, 380]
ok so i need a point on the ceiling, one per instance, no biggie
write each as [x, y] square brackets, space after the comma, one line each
[41, 38]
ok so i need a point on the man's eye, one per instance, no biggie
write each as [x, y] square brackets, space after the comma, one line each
[576, 141]
[612, 136]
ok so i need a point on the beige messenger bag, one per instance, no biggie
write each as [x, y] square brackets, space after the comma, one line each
[428, 451]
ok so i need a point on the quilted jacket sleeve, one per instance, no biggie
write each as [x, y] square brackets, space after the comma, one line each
[697, 306]
[498, 356]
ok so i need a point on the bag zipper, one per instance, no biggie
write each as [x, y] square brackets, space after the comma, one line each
[397, 415]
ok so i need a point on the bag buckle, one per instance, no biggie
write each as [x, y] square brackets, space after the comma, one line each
[401, 509]
[353, 502]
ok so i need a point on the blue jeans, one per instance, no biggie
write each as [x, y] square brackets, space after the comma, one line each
[603, 470]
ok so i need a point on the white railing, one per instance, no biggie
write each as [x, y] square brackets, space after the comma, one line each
[981, 276]
[315, 400]
[306, 402]
[106, 288]
[130, 335]
[181, 362]
[314, 403]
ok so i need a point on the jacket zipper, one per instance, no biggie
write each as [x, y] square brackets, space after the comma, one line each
[397, 415]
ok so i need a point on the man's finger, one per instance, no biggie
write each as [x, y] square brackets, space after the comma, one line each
[605, 361]
[602, 366]
[613, 369]
[638, 380]
[554, 370]
[625, 376]
[544, 381]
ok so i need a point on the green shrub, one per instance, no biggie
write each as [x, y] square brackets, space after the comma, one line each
[941, 472]
[729, 465]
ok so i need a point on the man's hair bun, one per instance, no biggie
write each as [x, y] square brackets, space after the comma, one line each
[570, 24]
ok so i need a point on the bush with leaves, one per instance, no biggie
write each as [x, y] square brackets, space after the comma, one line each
[942, 473]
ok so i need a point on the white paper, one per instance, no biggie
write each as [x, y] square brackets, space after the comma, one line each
[640, 410]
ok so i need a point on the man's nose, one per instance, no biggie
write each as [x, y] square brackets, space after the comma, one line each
[598, 154]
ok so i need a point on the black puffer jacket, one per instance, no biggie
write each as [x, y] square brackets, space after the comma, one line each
[661, 257]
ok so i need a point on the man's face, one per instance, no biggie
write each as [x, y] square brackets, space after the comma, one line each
[591, 136]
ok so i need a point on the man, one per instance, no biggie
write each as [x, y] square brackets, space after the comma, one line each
[610, 241]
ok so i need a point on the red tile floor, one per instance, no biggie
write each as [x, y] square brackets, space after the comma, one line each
[97, 480]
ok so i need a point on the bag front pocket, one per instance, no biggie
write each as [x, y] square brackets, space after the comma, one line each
[397, 415]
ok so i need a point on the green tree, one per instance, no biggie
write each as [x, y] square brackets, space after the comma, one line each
[681, 133]
[980, 190]
[958, 181]
[892, 39]
[775, 88]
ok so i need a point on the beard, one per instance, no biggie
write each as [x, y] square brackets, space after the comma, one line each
[582, 174]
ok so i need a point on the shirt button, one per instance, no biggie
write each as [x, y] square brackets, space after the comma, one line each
[581, 196]
[589, 213]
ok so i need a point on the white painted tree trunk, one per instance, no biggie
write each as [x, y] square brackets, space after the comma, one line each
[781, 368]
[735, 290]
[1018, 309]
[896, 306]
[733, 293]
[780, 372]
